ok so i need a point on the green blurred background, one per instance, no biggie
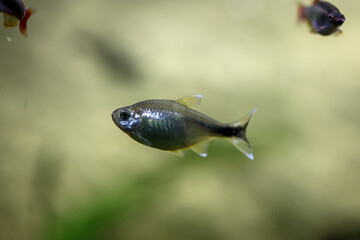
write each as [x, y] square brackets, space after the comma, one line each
[67, 172]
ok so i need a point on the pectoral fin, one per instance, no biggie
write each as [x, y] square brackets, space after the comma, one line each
[201, 148]
[338, 32]
[313, 30]
[141, 139]
[190, 101]
[10, 21]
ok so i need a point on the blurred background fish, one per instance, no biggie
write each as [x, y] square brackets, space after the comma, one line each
[117, 62]
[15, 11]
[323, 17]
[173, 126]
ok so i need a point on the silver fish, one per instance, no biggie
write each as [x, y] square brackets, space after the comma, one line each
[173, 126]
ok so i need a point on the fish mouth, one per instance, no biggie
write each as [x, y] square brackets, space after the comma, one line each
[340, 21]
[337, 19]
[114, 118]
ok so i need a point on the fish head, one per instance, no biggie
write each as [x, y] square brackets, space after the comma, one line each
[336, 18]
[126, 118]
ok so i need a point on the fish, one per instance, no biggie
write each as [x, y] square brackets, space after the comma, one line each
[322, 17]
[173, 125]
[117, 60]
[14, 11]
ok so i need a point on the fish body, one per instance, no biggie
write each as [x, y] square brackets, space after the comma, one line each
[323, 17]
[173, 126]
[14, 11]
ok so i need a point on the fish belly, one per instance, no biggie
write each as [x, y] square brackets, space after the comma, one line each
[172, 133]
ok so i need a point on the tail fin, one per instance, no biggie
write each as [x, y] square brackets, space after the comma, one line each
[301, 12]
[26, 17]
[240, 141]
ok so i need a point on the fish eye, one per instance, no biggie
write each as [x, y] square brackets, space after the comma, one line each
[124, 115]
[330, 17]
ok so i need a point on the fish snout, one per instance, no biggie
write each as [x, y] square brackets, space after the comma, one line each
[116, 118]
[340, 20]
[337, 18]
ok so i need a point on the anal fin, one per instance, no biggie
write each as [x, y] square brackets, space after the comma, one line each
[201, 148]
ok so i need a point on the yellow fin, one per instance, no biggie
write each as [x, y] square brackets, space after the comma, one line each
[244, 120]
[190, 101]
[201, 148]
[239, 140]
[313, 30]
[338, 32]
[243, 146]
[10, 21]
[178, 153]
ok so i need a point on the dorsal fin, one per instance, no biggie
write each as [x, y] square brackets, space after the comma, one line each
[315, 2]
[10, 21]
[190, 101]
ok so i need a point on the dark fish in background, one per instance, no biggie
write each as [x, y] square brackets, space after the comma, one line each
[15, 11]
[173, 126]
[116, 59]
[323, 17]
